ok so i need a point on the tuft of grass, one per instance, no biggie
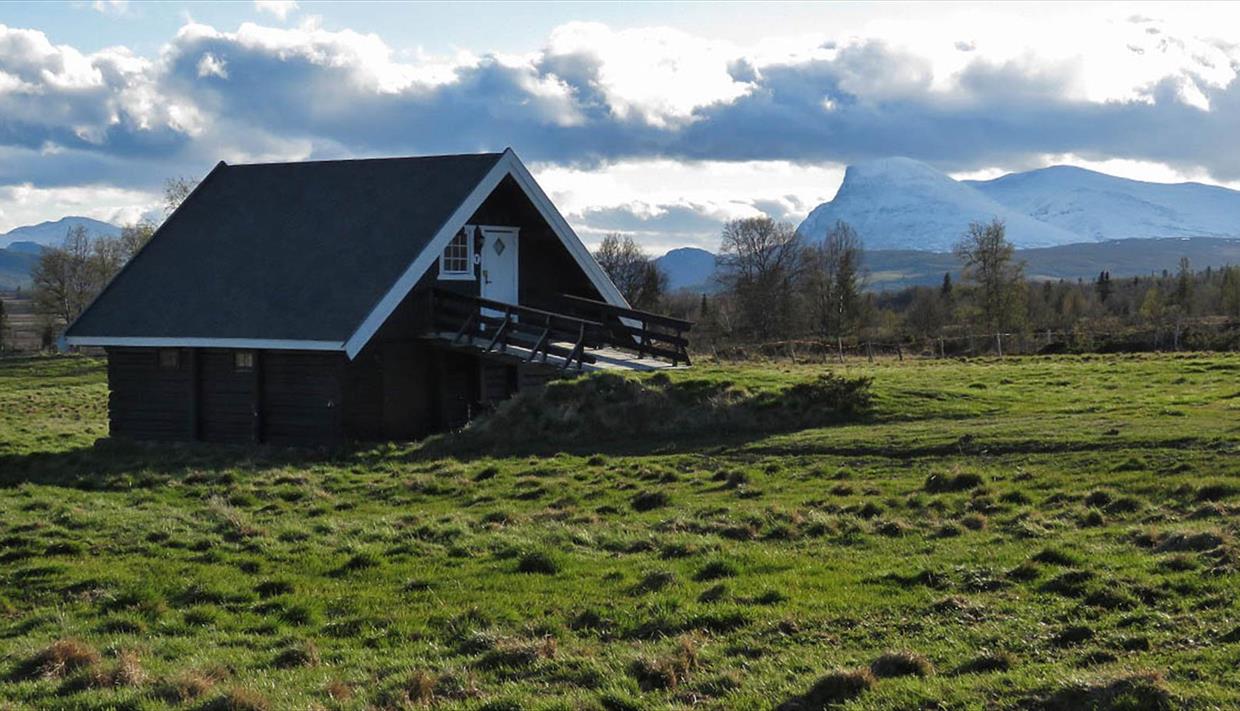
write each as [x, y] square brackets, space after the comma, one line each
[1139, 691]
[668, 671]
[58, 660]
[714, 570]
[901, 663]
[537, 561]
[946, 483]
[649, 500]
[988, 662]
[837, 687]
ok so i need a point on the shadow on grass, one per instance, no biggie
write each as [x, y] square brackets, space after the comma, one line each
[604, 414]
[117, 464]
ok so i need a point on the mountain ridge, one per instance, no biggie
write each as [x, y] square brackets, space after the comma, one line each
[900, 203]
[52, 232]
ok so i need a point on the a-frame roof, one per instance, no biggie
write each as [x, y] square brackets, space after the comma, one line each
[313, 255]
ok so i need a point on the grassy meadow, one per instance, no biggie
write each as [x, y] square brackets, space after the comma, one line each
[1034, 533]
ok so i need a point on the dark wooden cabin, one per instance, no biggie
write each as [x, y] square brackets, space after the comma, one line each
[310, 303]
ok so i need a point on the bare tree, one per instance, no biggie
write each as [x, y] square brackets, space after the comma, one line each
[134, 237]
[759, 262]
[833, 280]
[64, 278]
[175, 191]
[636, 275]
[987, 258]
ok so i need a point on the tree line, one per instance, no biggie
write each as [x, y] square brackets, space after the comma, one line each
[774, 284]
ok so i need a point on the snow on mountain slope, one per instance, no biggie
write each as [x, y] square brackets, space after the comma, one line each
[900, 203]
[50, 234]
[1103, 207]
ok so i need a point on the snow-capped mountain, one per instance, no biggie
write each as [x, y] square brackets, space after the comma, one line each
[899, 203]
[1102, 207]
[50, 234]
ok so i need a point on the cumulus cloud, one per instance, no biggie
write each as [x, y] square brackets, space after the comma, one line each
[278, 8]
[596, 101]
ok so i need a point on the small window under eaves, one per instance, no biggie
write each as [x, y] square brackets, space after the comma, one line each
[457, 260]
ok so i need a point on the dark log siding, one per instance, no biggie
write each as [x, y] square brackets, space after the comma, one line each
[399, 387]
[227, 398]
[146, 401]
[301, 397]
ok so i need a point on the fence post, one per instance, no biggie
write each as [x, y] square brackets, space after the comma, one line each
[899, 352]
[869, 351]
[999, 344]
[839, 345]
[942, 348]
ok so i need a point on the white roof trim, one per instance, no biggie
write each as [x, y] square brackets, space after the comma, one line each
[508, 164]
[243, 343]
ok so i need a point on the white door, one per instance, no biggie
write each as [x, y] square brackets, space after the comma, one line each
[499, 264]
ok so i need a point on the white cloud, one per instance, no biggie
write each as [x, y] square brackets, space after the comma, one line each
[279, 8]
[110, 7]
[714, 191]
[210, 66]
[27, 204]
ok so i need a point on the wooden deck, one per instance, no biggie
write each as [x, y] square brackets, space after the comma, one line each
[605, 358]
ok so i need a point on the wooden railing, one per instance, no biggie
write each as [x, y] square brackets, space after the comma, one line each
[630, 329]
[496, 326]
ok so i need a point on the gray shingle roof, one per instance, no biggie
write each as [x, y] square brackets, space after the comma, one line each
[288, 251]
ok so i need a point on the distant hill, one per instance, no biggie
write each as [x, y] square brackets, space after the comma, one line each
[51, 234]
[898, 268]
[903, 204]
[688, 268]
[15, 268]
[894, 269]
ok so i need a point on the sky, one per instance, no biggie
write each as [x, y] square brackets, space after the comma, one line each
[660, 120]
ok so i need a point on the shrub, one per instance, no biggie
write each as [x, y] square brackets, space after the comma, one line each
[901, 663]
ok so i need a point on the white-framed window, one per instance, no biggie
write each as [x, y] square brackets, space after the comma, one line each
[457, 260]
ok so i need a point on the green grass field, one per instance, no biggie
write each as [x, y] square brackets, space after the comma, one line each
[1025, 533]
